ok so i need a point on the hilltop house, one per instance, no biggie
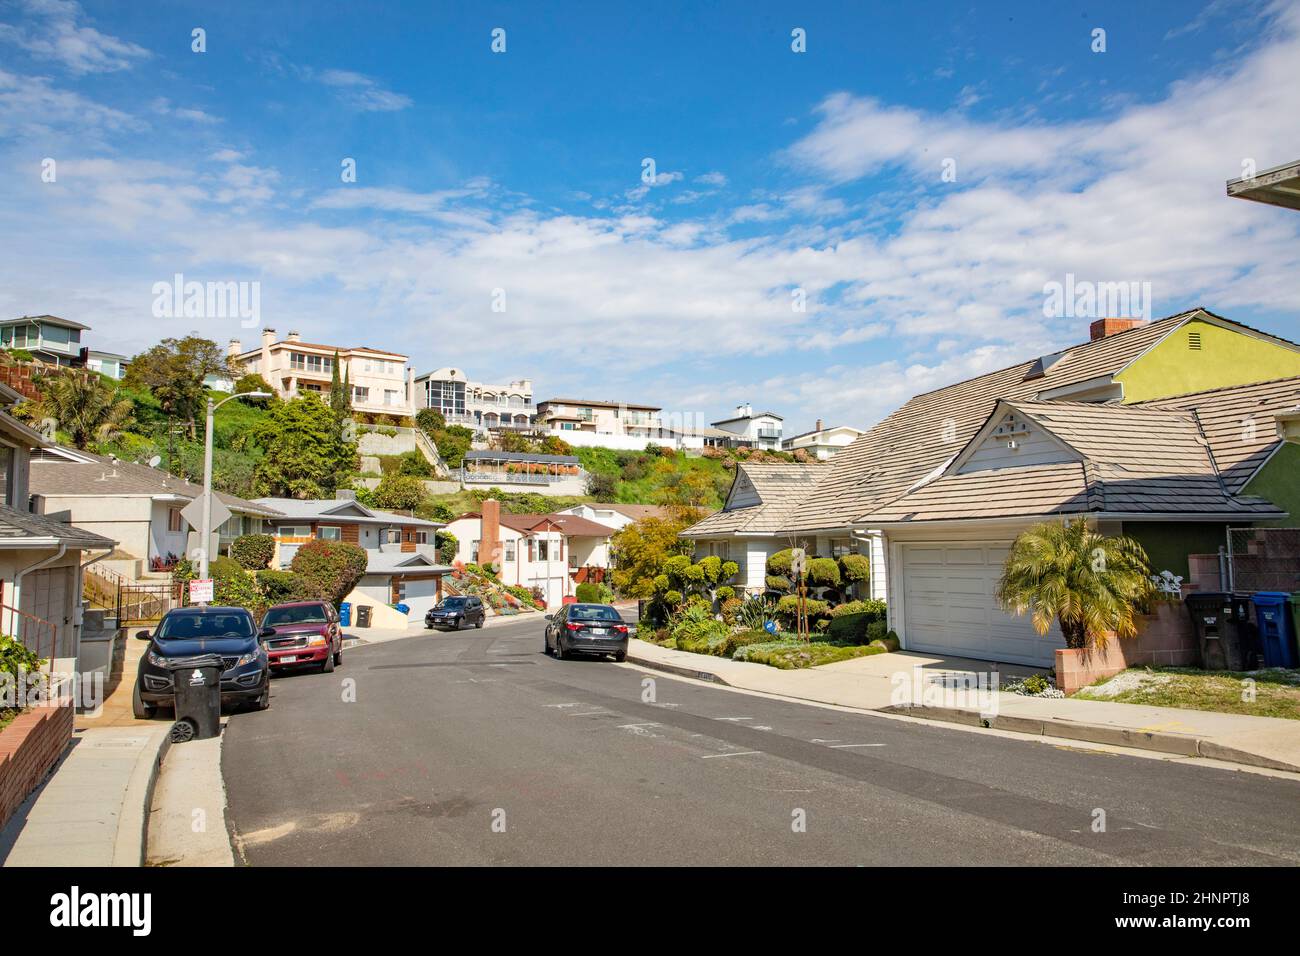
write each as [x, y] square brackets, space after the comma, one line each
[1167, 431]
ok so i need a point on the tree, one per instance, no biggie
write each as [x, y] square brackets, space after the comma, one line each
[328, 570]
[452, 442]
[339, 398]
[253, 552]
[252, 382]
[555, 445]
[174, 371]
[1090, 583]
[601, 486]
[305, 457]
[83, 405]
[430, 420]
[640, 550]
[398, 492]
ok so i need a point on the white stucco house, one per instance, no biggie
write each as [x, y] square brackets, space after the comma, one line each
[748, 429]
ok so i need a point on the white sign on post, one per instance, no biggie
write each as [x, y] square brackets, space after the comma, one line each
[798, 561]
[201, 591]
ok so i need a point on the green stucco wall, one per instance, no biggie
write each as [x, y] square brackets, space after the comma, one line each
[1168, 543]
[1225, 358]
[1279, 482]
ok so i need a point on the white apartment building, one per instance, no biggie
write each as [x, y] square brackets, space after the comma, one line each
[478, 405]
[605, 424]
[378, 379]
[822, 443]
[749, 430]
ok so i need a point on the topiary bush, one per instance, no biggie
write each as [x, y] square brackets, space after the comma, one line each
[776, 582]
[823, 573]
[587, 593]
[279, 587]
[729, 609]
[328, 570]
[787, 610]
[232, 586]
[253, 551]
[778, 563]
[854, 568]
[725, 593]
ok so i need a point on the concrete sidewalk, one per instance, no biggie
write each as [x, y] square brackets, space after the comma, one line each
[915, 684]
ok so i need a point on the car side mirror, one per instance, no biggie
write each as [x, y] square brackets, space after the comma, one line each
[265, 632]
[142, 635]
[550, 616]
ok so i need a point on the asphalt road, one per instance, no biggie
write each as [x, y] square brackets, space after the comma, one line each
[475, 748]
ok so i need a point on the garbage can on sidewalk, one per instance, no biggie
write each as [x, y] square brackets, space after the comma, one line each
[345, 614]
[196, 686]
[1214, 616]
[1276, 628]
[363, 615]
[1243, 612]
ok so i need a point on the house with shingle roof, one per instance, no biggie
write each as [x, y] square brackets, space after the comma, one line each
[1166, 431]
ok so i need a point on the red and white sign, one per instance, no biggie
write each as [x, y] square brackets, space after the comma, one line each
[201, 591]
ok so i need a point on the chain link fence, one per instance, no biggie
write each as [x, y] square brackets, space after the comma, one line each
[1264, 559]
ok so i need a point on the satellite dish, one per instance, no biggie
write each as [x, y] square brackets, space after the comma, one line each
[155, 461]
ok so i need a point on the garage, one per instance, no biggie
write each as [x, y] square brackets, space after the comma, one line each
[419, 594]
[949, 608]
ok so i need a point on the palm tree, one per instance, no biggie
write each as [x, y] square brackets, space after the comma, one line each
[1092, 584]
[83, 405]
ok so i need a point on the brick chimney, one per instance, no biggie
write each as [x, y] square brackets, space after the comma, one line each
[489, 544]
[233, 348]
[1104, 327]
[819, 425]
[293, 336]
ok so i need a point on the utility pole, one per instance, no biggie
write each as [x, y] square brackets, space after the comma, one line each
[207, 478]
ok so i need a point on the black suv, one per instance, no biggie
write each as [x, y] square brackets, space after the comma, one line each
[194, 631]
[457, 612]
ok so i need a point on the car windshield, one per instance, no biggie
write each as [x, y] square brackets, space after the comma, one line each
[593, 612]
[189, 627]
[295, 614]
[454, 602]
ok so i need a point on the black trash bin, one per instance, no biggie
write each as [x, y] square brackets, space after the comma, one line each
[363, 615]
[1217, 617]
[196, 686]
[1252, 645]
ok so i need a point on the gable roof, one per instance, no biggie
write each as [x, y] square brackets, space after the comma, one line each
[930, 428]
[339, 509]
[1130, 460]
[393, 562]
[567, 524]
[779, 487]
[21, 529]
[64, 472]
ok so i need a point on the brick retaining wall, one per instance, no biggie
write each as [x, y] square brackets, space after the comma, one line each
[1165, 639]
[29, 747]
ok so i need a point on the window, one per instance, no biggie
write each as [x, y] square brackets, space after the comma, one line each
[421, 537]
[360, 394]
[473, 551]
[392, 536]
[392, 397]
[6, 474]
[310, 363]
[174, 520]
[329, 533]
[510, 550]
[543, 550]
[293, 531]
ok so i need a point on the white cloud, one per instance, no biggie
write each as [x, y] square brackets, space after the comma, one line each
[363, 92]
[712, 179]
[53, 32]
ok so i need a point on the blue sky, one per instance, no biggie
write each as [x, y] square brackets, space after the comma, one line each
[776, 171]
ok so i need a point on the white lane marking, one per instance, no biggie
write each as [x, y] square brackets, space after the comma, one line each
[738, 753]
[570, 704]
[733, 718]
[819, 740]
[842, 746]
[640, 730]
[587, 713]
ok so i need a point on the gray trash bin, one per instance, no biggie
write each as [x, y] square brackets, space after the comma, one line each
[196, 686]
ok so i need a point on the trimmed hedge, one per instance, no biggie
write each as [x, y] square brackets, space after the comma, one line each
[328, 570]
[854, 568]
[587, 593]
[279, 587]
[823, 573]
[253, 551]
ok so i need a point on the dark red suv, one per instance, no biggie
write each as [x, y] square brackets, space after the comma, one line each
[306, 633]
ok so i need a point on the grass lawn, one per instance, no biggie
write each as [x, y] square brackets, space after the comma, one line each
[1276, 691]
[788, 656]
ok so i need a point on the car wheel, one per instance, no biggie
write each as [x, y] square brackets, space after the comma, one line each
[620, 657]
[338, 655]
[481, 621]
[139, 708]
[263, 702]
[559, 649]
[327, 666]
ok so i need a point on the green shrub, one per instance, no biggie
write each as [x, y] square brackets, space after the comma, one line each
[673, 598]
[854, 568]
[823, 573]
[789, 655]
[776, 582]
[729, 609]
[446, 545]
[787, 610]
[232, 586]
[253, 551]
[725, 593]
[588, 593]
[778, 563]
[399, 492]
[16, 663]
[874, 609]
[279, 587]
[328, 570]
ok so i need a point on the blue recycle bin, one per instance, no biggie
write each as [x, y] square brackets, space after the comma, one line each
[1276, 628]
[404, 608]
[345, 614]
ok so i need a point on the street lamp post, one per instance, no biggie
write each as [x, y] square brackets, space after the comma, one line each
[207, 478]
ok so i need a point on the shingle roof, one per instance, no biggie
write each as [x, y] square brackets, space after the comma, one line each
[932, 427]
[326, 509]
[1240, 423]
[390, 562]
[520, 456]
[103, 476]
[17, 526]
[779, 487]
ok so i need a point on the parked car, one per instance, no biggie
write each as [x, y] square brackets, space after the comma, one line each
[457, 612]
[304, 634]
[194, 631]
[586, 629]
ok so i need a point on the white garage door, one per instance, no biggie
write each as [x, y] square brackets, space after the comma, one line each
[948, 606]
[420, 595]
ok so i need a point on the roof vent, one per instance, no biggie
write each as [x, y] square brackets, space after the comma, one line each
[1194, 341]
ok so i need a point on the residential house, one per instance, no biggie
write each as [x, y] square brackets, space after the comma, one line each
[136, 505]
[41, 556]
[748, 430]
[402, 561]
[523, 471]
[47, 337]
[553, 553]
[822, 443]
[1166, 431]
[478, 405]
[607, 424]
[111, 364]
[377, 378]
[617, 516]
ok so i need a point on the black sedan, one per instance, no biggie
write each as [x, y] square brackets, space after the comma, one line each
[453, 613]
[587, 629]
[189, 632]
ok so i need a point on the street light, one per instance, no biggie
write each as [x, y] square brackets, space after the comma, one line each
[207, 478]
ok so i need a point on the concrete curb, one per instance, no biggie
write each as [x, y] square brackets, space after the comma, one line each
[131, 845]
[1182, 745]
[674, 669]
